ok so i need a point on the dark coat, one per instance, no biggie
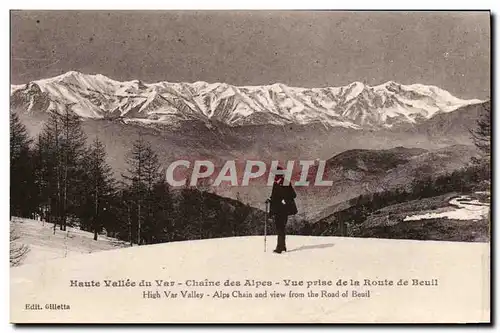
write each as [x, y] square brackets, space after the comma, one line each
[282, 193]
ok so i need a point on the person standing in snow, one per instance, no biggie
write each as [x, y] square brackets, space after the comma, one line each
[282, 204]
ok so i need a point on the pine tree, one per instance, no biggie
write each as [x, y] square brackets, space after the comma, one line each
[60, 160]
[99, 187]
[240, 219]
[481, 135]
[45, 162]
[121, 212]
[143, 164]
[187, 220]
[22, 192]
[142, 174]
[73, 149]
[49, 148]
[161, 227]
[203, 188]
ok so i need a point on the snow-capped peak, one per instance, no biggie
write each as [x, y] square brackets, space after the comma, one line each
[353, 90]
[356, 105]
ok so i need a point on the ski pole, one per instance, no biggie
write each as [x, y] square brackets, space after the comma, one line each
[265, 228]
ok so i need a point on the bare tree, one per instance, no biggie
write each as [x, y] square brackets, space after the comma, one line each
[60, 155]
[18, 252]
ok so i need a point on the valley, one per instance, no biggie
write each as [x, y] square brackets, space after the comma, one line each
[373, 139]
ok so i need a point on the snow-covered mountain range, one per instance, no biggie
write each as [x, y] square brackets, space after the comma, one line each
[353, 106]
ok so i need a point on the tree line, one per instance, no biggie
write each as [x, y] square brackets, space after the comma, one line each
[64, 178]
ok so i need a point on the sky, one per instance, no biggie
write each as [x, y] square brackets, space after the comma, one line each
[304, 49]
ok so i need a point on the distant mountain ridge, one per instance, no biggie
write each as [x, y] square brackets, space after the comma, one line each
[356, 106]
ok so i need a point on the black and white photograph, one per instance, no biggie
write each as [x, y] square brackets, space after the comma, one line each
[250, 166]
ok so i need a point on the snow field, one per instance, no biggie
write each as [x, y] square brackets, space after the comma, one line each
[466, 209]
[458, 297]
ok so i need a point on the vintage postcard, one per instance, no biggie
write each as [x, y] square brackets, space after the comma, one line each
[250, 166]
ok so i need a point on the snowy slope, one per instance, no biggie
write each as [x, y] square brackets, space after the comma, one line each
[354, 106]
[464, 208]
[458, 298]
[45, 245]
